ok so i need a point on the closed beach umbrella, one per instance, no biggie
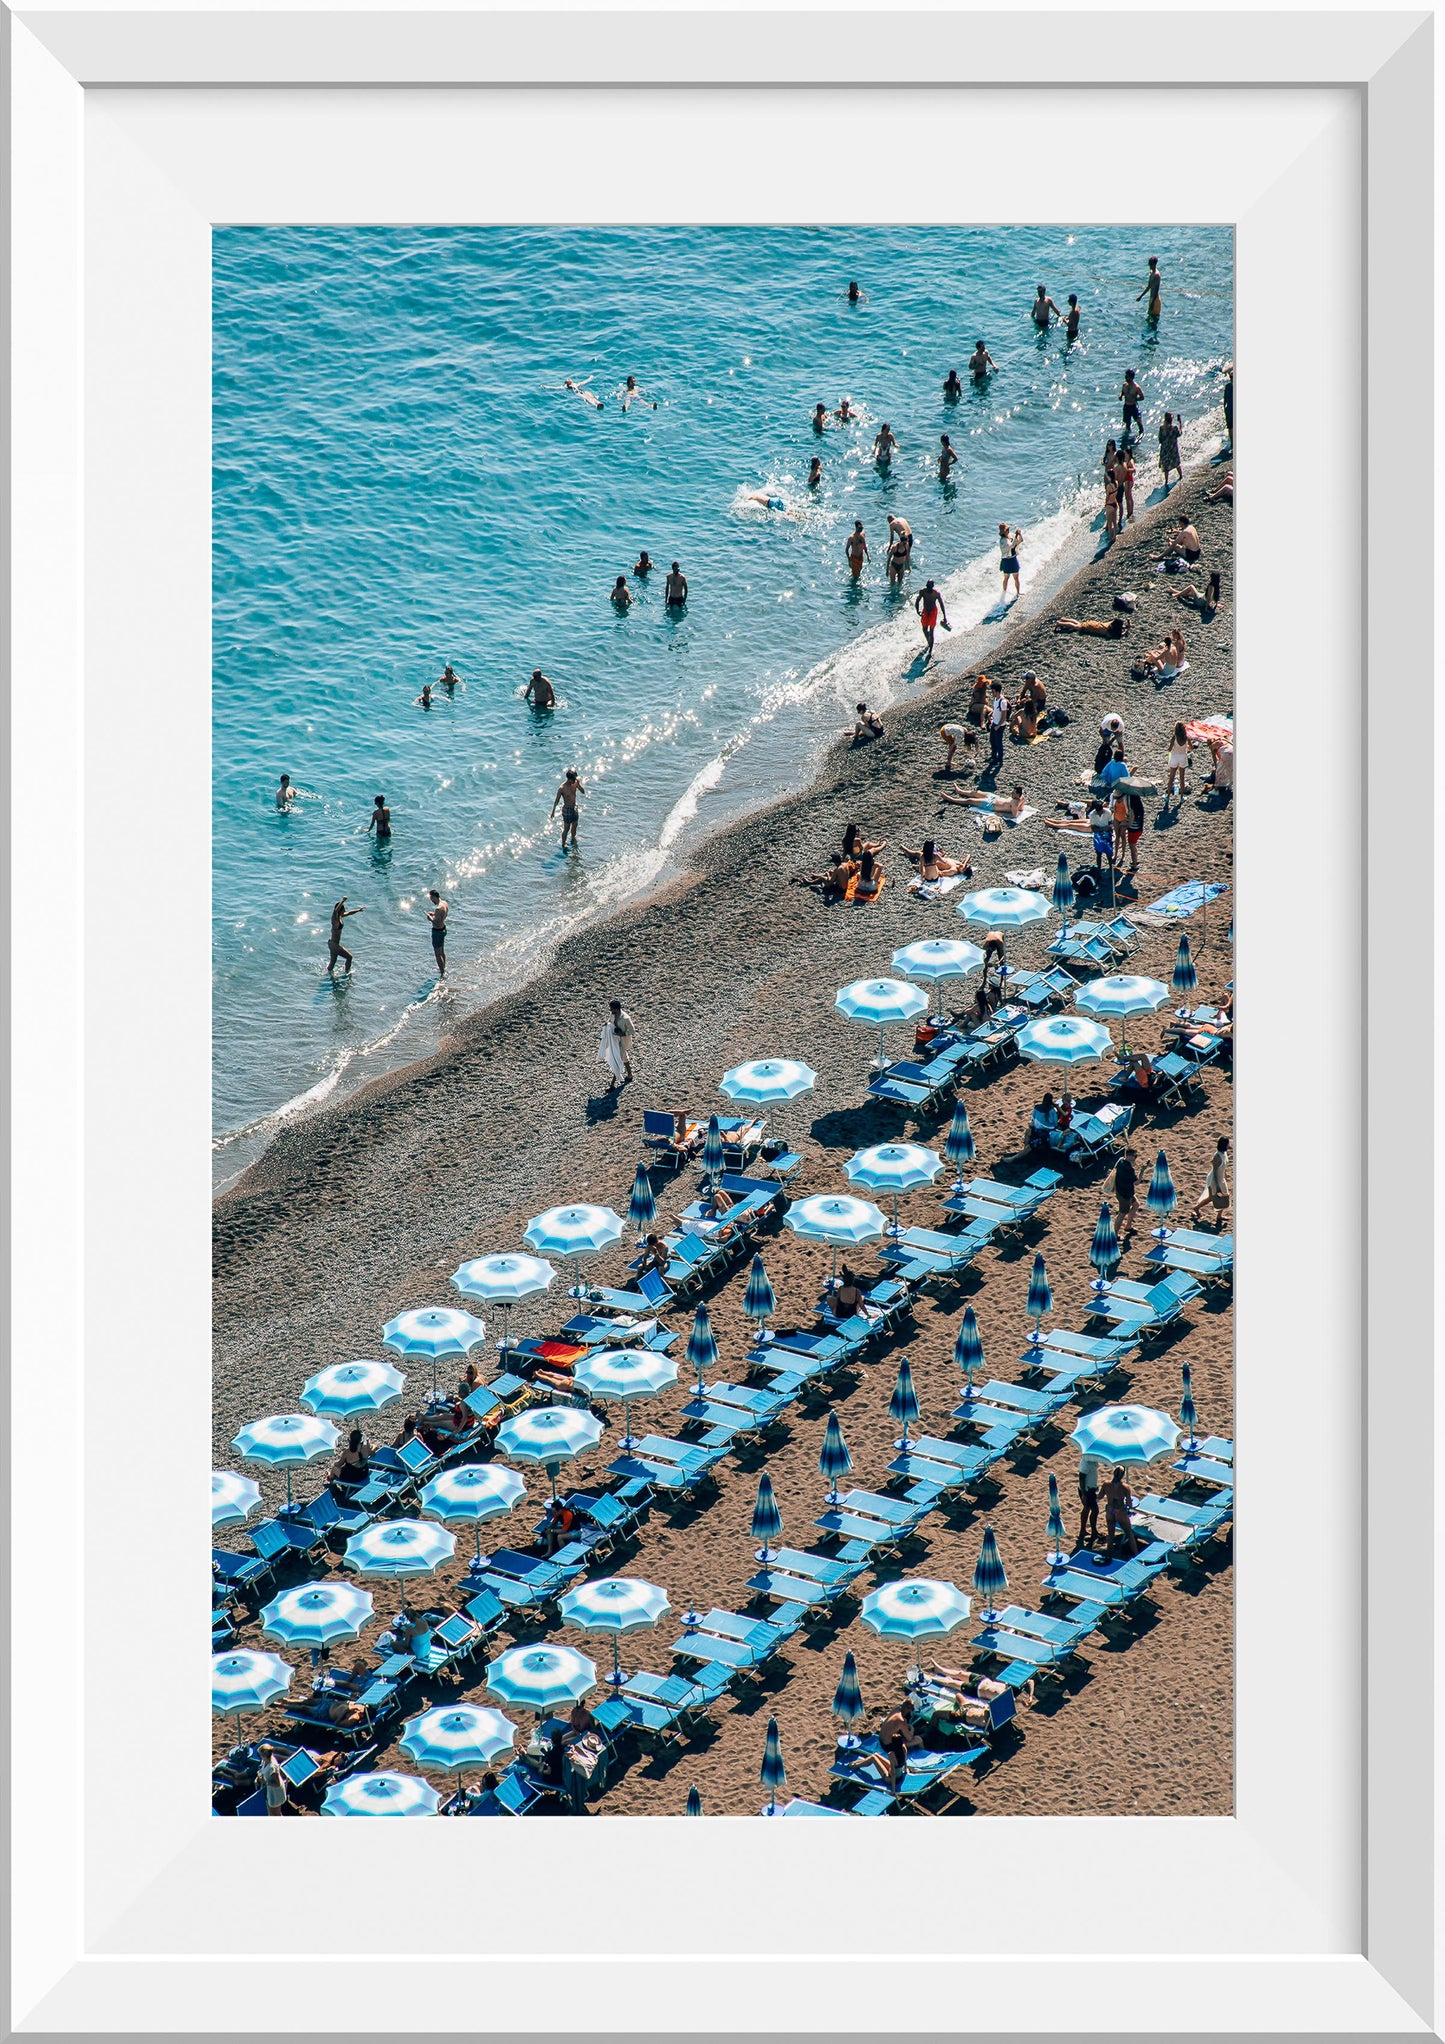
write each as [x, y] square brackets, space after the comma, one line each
[578, 1230]
[833, 1457]
[381, 1795]
[958, 1144]
[1063, 895]
[694, 1802]
[502, 1281]
[1104, 1249]
[541, 1676]
[1063, 1040]
[317, 1614]
[284, 1440]
[766, 1080]
[399, 1548]
[938, 958]
[773, 1775]
[878, 1004]
[903, 1405]
[346, 1388]
[758, 1301]
[968, 1347]
[1188, 1417]
[233, 1497]
[1004, 909]
[455, 1736]
[1055, 1527]
[893, 1168]
[1122, 994]
[835, 1217]
[988, 1576]
[613, 1604]
[433, 1332]
[549, 1434]
[767, 1520]
[712, 1149]
[1125, 1433]
[848, 1705]
[1041, 1298]
[642, 1207]
[701, 1345]
[1184, 979]
[243, 1681]
[625, 1373]
[913, 1609]
[1161, 1195]
[472, 1493]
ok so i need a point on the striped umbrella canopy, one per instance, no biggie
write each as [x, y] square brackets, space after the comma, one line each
[614, 1604]
[1004, 909]
[578, 1230]
[473, 1492]
[549, 1434]
[758, 1301]
[1041, 1298]
[878, 1003]
[1063, 894]
[767, 1520]
[502, 1280]
[344, 1388]
[694, 1802]
[433, 1332]
[1063, 1040]
[381, 1795]
[833, 1457]
[958, 1143]
[938, 958]
[539, 1677]
[913, 1608]
[315, 1614]
[1188, 1417]
[848, 1706]
[1122, 994]
[233, 1497]
[641, 1207]
[903, 1405]
[968, 1346]
[893, 1168]
[702, 1345]
[1184, 979]
[772, 1774]
[1055, 1530]
[711, 1159]
[1125, 1433]
[835, 1217]
[285, 1439]
[765, 1080]
[243, 1681]
[1161, 1196]
[625, 1374]
[988, 1576]
[399, 1548]
[1104, 1249]
[457, 1735]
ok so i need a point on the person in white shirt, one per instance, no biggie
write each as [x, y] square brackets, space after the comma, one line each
[998, 717]
[1216, 1185]
[273, 1781]
[615, 1048]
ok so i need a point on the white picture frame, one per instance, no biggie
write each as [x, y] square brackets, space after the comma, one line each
[1314, 1909]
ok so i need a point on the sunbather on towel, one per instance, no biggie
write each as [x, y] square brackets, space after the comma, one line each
[833, 885]
[1166, 658]
[869, 884]
[1093, 628]
[1001, 805]
[933, 864]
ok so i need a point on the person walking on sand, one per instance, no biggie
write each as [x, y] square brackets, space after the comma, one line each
[856, 549]
[1008, 558]
[931, 609]
[884, 443]
[339, 913]
[539, 692]
[1126, 1183]
[980, 362]
[615, 1047]
[674, 594]
[436, 915]
[1169, 433]
[1044, 309]
[1088, 1500]
[1132, 397]
[380, 821]
[1216, 1186]
[567, 795]
[1151, 289]
[273, 1781]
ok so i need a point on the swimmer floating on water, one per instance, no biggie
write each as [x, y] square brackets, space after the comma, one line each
[631, 396]
[768, 503]
[425, 697]
[587, 396]
[854, 294]
[450, 680]
[845, 413]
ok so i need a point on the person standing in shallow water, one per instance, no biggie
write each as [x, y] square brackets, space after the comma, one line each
[567, 795]
[1151, 289]
[856, 549]
[380, 821]
[436, 915]
[675, 593]
[339, 914]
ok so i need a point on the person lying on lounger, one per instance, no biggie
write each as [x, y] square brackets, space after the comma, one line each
[997, 805]
[654, 1257]
[1093, 628]
[933, 864]
[972, 1703]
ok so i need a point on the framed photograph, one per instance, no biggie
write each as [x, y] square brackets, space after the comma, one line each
[627, 636]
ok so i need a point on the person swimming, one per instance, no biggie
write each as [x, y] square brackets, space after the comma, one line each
[425, 697]
[854, 294]
[450, 680]
[632, 395]
[768, 503]
[980, 362]
[286, 793]
[845, 412]
[820, 416]
[952, 386]
[539, 692]
[587, 396]
[621, 594]
[643, 564]
[815, 472]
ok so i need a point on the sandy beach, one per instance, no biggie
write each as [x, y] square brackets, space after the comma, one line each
[360, 1211]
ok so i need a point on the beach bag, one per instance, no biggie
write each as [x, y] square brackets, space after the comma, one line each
[1085, 885]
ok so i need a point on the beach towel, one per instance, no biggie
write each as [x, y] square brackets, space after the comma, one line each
[852, 893]
[1034, 878]
[1183, 901]
[1171, 673]
[929, 890]
[1204, 728]
[983, 817]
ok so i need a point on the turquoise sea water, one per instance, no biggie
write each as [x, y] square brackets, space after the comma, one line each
[401, 479]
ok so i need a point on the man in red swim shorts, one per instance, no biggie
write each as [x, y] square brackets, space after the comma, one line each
[930, 607]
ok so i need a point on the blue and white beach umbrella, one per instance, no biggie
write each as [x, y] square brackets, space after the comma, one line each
[549, 1434]
[541, 1676]
[702, 1345]
[765, 1080]
[893, 1168]
[958, 1143]
[758, 1301]
[1063, 895]
[472, 1493]
[1104, 1249]
[233, 1497]
[913, 1609]
[938, 958]
[1184, 979]
[878, 1004]
[1063, 1040]
[848, 1705]
[433, 1332]
[772, 1775]
[835, 1217]
[903, 1405]
[988, 1576]
[316, 1614]
[641, 1207]
[243, 1681]
[1004, 909]
[625, 1374]
[968, 1347]
[833, 1457]
[399, 1548]
[502, 1281]
[712, 1159]
[454, 1736]
[578, 1230]
[1125, 1433]
[1161, 1196]
[1122, 994]
[694, 1802]
[613, 1604]
[342, 1389]
[767, 1520]
[284, 1440]
[1041, 1297]
[1188, 1417]
[1055, 1530]
[381, 1795]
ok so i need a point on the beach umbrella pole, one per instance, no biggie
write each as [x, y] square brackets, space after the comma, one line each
[616, 1665]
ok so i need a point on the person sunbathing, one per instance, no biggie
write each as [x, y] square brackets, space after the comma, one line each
[855, 844]
[933, 864]
[870, 879]
[971, 1703]
[898, 1739]
[1093, 628]
[1205, 601]
[1224, 494]
[1029, 708]
[654, 1257]
[1166, 658]
[1186, 540]
[1140, 1071]
[997, 805]
[833, 884]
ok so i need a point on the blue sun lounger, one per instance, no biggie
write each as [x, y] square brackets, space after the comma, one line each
[999, 1403]
[739, 1644]
[923, 1774]
[1145, 1309]
[665, 1707]
[1040, 990]
[1181, 1525]
[1210, 1461]
[674, 1466]
[793, 1576]
[245, 1573]
[1115, 1584]
[650, 1295]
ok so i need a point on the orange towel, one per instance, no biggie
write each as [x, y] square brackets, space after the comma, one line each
[852, 893]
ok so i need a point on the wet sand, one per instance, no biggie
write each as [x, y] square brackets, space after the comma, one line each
[359, 1212]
